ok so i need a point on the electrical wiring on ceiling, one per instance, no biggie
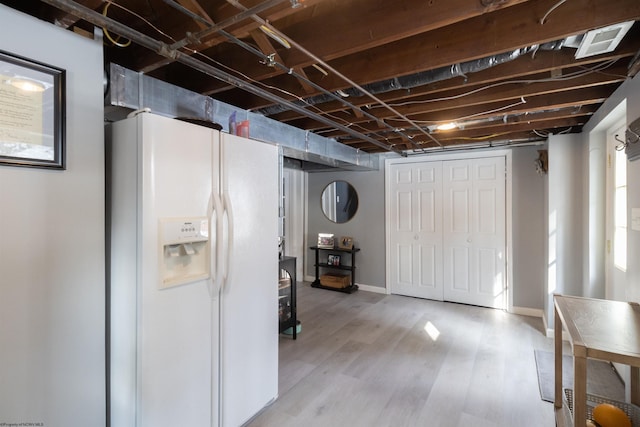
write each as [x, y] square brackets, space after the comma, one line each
[459, 119]
[356, 125]
[481, 138]
[554, 7]
[546, 134]
[156, 46]
[291, 94]
[576, 74]
[115, 41]
[271, 61]
[146, 21]
[257, 52]
[334, 71]
[347, 115]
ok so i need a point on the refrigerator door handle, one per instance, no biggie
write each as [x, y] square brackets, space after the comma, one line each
[229, 209]
[215, 247]
[229, 250]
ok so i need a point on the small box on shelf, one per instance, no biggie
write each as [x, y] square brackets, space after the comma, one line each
[335, 280]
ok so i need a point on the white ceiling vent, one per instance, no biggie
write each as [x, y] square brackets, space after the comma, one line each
[602, 40]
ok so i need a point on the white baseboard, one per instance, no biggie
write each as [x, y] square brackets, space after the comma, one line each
[551, 334]
[309, 278]
[526, 311]
[536, 312]
[369, 288]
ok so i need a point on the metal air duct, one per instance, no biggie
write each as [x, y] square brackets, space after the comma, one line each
[413, 80]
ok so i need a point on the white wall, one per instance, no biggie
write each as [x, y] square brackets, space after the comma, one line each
[576, 232]
[595, 206]
[295, 217]
[52, 272]
[626, 97]
[629, 93]
[632, 90]
[565, 230]
[529, 211]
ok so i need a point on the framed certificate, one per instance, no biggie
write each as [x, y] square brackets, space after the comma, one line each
[32, 104]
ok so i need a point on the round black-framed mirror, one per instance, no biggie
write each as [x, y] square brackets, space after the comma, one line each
[339, 201]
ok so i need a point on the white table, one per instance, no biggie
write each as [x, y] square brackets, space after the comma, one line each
[598, 329]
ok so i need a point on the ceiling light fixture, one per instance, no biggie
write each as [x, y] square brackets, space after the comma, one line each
[447, 126]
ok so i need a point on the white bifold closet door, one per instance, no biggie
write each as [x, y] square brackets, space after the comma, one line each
[474, 231]
[447, 236]
[415, 238]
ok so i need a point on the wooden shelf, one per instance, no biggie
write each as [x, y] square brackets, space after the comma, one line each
[349, 267]
[337, 267]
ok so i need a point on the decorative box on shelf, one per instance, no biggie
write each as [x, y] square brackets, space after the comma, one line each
[335, 280]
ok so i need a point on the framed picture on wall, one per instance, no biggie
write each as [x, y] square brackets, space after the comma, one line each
[32, 130]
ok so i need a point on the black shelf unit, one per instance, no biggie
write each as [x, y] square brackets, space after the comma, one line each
[349, 267]
[287, 315]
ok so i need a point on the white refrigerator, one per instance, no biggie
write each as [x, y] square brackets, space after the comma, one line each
[193, 338]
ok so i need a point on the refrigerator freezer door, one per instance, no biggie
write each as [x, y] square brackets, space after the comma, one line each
[176, 331]
[249, 315]
[164, 342]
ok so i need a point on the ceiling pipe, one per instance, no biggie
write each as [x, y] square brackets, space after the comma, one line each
[422, 78]
[272, 62]
[195, 38]
[212, 27]
[337, 73]
[150, 43]
[523, 142]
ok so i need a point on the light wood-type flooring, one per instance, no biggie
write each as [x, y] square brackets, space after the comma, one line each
[368, 359]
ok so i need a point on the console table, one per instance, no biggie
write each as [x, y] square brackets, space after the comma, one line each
[348, 266]
[598, 329]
